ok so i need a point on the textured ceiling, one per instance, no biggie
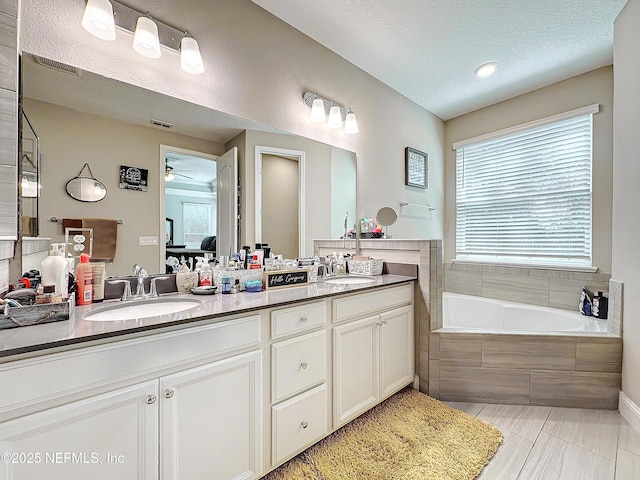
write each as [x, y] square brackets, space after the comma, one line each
[427, 49]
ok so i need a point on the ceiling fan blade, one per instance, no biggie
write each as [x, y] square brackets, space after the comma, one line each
[180, 175]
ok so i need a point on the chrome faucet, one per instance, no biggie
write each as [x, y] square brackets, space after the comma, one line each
[141, 273]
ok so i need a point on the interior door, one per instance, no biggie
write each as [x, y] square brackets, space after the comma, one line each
[227, 192]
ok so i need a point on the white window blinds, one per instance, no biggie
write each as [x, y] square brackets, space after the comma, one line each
[525, 196]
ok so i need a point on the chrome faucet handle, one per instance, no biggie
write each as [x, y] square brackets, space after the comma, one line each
[153, 291]
[126, 294]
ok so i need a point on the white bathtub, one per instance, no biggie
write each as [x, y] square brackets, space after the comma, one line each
[466, 312]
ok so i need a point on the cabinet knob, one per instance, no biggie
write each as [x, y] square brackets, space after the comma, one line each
[304, 424]
[384, 321]
[151, 399]
[304, 365]
[303, 319]
[168, 393]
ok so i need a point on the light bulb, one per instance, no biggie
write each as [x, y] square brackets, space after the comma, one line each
[169, 176]
[98, 19]
[190, 59]
[335, 117]
[318, 113]
[351, 123]
[485, 69]
[145, 39]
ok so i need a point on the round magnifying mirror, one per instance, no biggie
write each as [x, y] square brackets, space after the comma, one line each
[86, 189]
[386, 216]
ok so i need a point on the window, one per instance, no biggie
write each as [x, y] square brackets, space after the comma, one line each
[196, 219]
[523, 195]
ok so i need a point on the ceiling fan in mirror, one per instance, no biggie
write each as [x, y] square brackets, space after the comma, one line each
[170, 173]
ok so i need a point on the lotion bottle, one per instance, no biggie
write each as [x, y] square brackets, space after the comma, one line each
[55, 271]
[84, 280]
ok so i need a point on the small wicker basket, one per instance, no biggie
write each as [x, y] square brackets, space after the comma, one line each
[366, 267]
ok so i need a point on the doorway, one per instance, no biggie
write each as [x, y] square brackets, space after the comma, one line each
[198, 201]
[280, 200]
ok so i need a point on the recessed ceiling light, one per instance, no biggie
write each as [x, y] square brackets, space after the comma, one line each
[485, 69]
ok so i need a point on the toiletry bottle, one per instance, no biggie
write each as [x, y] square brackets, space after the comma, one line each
[84, 280]
[205, 273]
[55, 271]
[225, 286]
[98, 269]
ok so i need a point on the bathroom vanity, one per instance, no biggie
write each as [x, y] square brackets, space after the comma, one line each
[227, 390]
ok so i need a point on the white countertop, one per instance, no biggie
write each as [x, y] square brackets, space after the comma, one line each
[76, 330]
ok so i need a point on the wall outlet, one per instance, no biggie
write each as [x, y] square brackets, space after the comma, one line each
[149, 240]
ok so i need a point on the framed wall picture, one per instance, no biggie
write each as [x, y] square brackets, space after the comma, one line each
[133, 178]
[415, 168]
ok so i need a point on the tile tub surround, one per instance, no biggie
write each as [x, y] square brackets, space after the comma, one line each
[581, 370]
[427, 254]
[535, 286]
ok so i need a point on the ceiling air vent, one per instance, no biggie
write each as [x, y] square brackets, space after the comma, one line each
[160, 123]
[59, 66]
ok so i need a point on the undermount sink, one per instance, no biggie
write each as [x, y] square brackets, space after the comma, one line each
[350, 279]
[141, 309]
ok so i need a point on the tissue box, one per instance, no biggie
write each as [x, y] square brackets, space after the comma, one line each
[36, 314]
[366, 267]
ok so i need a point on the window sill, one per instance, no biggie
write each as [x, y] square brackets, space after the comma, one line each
[564, 268]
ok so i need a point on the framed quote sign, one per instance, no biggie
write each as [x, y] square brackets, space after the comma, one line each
[415, 168]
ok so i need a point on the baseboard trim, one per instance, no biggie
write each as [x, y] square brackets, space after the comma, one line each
[630, 411]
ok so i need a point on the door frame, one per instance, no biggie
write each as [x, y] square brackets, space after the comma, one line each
[298, 156]
[164, 149]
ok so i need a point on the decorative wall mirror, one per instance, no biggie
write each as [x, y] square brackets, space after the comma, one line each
[86, 189]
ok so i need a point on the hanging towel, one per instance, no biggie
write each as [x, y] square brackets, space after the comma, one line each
[71, 223]
[105, 237]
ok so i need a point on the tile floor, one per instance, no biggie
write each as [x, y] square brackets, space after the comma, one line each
[552, 443]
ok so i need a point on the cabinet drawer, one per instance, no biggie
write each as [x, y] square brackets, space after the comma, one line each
[298, 364]
[297, 319]
[374, 302]
[298, 423]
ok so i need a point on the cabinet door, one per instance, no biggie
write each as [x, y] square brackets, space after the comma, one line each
[396, 350]
[211, 421]
[355, 369]
[114, 435]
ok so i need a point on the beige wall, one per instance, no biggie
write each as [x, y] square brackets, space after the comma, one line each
[317, 209]
[68, 139]
[258, 67]
[626, 197]
[589, 88]
[280, 205]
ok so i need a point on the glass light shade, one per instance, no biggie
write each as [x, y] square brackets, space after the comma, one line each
[168, 176]
[98, 19]
[351, 123]
[335, 117]
[318, 113]
[145, 40]
[485, 69]
[190, 59]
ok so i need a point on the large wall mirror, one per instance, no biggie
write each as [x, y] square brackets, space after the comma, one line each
[188, 153]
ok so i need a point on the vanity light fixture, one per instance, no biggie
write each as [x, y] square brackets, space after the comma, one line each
[102, 16]
[321, 107]
[486, 69]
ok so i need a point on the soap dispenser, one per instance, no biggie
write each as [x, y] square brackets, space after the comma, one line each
[55, 271]
[205, 273]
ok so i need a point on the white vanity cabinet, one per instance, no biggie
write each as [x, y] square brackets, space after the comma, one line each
[176, 421]
[373, 350]
[299, 394]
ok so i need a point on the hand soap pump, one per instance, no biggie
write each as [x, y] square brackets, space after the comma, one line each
[205, 273]
[55, 271]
